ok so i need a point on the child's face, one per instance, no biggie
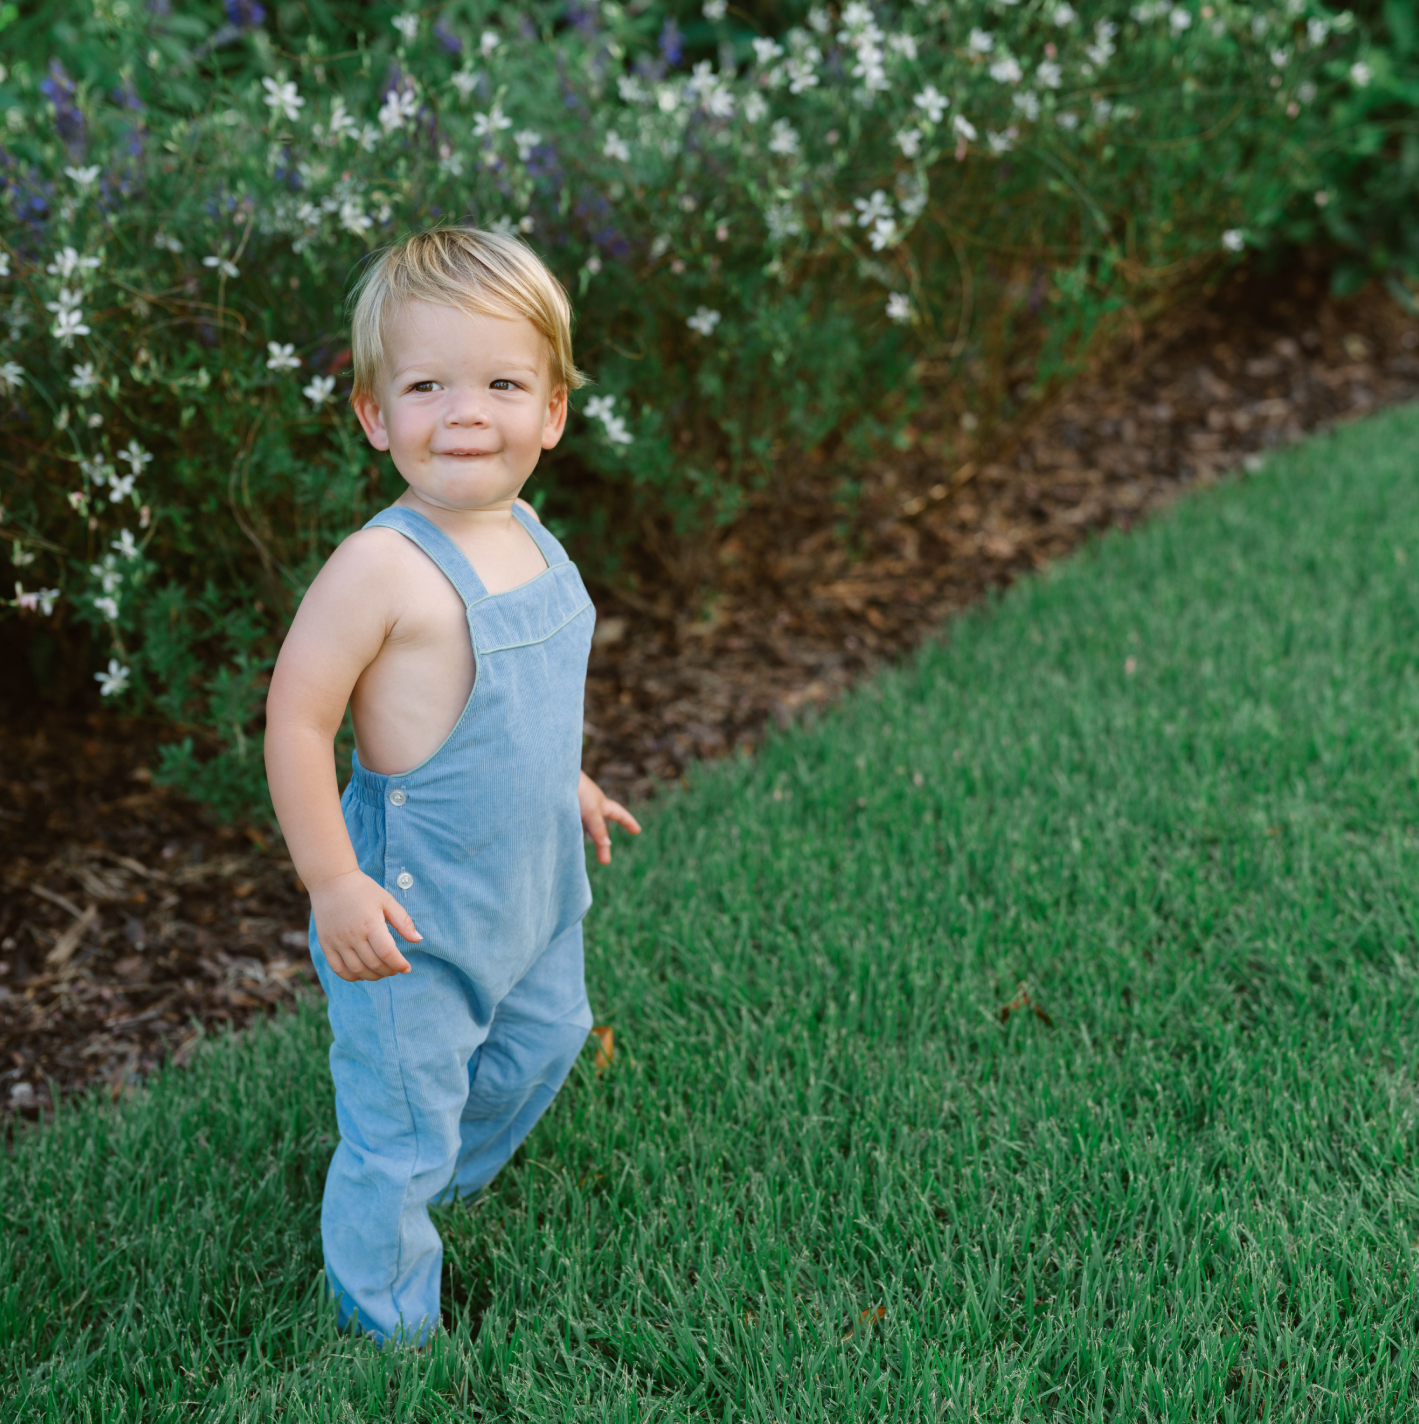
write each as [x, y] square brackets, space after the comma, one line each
[465, 405]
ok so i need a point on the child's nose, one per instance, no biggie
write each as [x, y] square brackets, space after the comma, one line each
[468, 408]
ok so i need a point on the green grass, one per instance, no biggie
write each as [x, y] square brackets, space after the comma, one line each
[1192, 1197]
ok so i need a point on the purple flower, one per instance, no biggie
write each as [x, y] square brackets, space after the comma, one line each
[447, 38]
[245, 14]
[58, 88]
[670, 42]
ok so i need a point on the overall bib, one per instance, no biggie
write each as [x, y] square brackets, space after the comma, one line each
[440, 1073]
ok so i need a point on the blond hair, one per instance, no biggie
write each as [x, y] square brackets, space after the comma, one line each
[468, 268]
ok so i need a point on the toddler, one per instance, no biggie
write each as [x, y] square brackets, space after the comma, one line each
[448, 883]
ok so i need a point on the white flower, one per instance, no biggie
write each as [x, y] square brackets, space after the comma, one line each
[124, 546]
[1028, 103]
[616, 147]
[224, 266]
[601, 408]
[1361, 74]
[67, 262]
[465, 81]
[488, 42]
[964, 127]
[899, 307]
[719, 102]
[66, 301]
[909, 141]
[783, 222]
[399, 105]
[353, 218]
[68, 325]
[1234, 239]
[704, 321]
[526, 140]
[1050, 74]
[1068, 120]
[801, 70]
[1002, 142]
[667, 98]
[283, 97]
[83, 177]
[120, 487]
[1306, 92]
[879, 205]
[165, 242]
[1006, 70]
[281, 358]
[783, 138]
[981, 42]
[78, 501]
[108, 606]
[715, 10]
[931, 103]
[766, 51]
[487, 125]
[20, 556]
[592, 265]
[1179, 19]
[885, 233]
[135, 456]
[343, 123]
[904, 45]
[408, 27]
[755, 107]
[115, 679]
[1102, 50]
[11, 376]
[320, 389]
[96, 470]
[41, 599]
[107, 573]
[1103, 111]
[4, 264]
[1317, 31]
[84, 380]
[1064, 15]
[1281, 58]
[1321, 197]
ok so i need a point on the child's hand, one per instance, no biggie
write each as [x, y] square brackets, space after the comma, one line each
[350, 913]
[596, 809]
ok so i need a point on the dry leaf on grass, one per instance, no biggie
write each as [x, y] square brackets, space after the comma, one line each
[1022, 1000]
[605, 1046]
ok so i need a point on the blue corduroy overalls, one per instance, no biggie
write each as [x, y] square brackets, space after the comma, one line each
[440, 1073]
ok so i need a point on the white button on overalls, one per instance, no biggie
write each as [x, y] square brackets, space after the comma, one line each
[405, 880]
[397, 798]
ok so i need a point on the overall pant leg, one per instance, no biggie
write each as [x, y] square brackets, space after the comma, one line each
[400, 1063]
[538, 1030]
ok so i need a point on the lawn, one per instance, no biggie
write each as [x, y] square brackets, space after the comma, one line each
[1169, 788]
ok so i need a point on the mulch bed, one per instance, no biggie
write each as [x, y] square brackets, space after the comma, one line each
[132, 924]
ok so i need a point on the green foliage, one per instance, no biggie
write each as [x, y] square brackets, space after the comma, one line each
[1171, 787]
[763, 238]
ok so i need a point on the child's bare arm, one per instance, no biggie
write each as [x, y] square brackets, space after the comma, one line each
[338, 631]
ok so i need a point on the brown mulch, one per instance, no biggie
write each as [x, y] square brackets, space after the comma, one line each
[131, 923]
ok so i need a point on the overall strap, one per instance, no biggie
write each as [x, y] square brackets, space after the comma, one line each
[421, 530]
[551, 550]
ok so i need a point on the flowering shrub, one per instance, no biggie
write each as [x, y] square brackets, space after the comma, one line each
[764, 235]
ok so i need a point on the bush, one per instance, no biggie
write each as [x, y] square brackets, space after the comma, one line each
[765, 238]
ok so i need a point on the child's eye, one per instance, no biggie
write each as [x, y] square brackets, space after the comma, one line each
[503, 384]
[423, 387]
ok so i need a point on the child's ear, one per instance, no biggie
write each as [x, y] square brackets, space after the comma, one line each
[556, 421]
[371, 420]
